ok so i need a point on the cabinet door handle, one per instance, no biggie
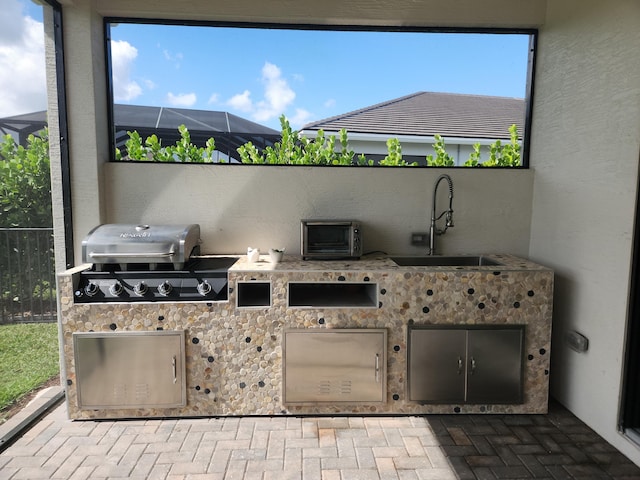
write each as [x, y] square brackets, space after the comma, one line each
[473, 365]
[377, 368]
[460, 365]
[175, 369]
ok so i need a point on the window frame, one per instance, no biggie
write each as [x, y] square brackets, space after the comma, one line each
[529, 83]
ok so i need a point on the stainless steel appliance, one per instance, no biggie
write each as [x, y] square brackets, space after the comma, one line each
[130, 369]
[466, 364]
[145, 263]
[330, 239]
[126, 244]
[334, 366]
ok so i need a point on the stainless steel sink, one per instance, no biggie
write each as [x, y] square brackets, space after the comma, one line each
[445, 261]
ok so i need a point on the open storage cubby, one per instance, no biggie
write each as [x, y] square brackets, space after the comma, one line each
[253, 294]
[333, 294]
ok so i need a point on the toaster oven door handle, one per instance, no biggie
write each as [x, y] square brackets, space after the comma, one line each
[132, 255]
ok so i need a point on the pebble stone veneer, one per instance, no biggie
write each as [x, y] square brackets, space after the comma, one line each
[234, 355]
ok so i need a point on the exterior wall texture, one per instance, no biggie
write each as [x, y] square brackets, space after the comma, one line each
[585, 145]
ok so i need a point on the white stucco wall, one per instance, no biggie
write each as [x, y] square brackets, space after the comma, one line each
[261, 206]
[585, 150]
[87, 112]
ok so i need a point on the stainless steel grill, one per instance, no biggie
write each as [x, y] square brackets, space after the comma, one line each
[137, 263]
[135, 244]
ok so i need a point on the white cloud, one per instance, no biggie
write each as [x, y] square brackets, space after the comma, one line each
[11, 23]
[22, 62]
[181, 99]
[214, 98]
[278, 95]
[241, 101]
[174, 58]
[330, 103]
[300, 118]
[123, 56]
[149, 84]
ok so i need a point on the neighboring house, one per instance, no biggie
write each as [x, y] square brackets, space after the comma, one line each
[462, 121]
[228, 130]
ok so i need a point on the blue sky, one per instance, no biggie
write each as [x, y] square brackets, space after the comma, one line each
[307, 75]
[260, 74]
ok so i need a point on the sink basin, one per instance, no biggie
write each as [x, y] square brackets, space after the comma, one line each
[445, 261]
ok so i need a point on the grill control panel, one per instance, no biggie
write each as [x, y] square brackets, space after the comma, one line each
[93, 289]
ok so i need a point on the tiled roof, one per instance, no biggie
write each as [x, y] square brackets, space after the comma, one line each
[430, 113]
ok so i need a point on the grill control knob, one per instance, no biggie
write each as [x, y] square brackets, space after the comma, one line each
[91, 289]
[165, 288]
[116, 289]
[140, 288]
[204, 288]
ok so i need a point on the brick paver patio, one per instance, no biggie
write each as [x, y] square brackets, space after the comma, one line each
[433, 447]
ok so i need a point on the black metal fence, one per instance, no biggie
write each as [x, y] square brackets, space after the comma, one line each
[27, 275]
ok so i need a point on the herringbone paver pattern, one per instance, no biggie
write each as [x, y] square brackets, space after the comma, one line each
[437, 447]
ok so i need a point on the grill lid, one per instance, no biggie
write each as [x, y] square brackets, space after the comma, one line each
[128, 244]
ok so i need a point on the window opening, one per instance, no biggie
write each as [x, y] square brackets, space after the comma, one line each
[453, 101]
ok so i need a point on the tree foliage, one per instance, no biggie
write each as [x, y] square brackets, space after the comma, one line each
[25, 182]
[294, 149]
[151, 149]
[26, 263]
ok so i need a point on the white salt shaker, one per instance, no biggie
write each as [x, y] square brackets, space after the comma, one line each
[253, 254]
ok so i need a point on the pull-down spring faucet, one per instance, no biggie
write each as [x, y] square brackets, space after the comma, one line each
[448, 214]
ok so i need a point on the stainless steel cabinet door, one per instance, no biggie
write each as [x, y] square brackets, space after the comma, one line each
[494, 366]
[475, 365]
[437, 365]
[335, 366]
[130, 369]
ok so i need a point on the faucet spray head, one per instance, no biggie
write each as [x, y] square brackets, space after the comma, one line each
[449, 219]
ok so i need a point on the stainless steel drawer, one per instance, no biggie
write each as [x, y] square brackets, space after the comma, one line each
[335, 366]
[130, 369]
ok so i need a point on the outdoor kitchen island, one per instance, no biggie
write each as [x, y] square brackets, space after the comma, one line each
[287, 341]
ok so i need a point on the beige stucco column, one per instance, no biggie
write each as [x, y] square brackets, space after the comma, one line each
[86, 93]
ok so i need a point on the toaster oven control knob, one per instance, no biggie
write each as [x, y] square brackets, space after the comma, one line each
[165, 288]
[116, 289]
[140, 288]
[91, 289]
[204, 288]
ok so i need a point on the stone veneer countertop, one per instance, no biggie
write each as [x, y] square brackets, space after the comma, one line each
[375, 263]
[234, 355]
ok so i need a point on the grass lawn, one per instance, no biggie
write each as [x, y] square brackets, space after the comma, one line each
[28, 358]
